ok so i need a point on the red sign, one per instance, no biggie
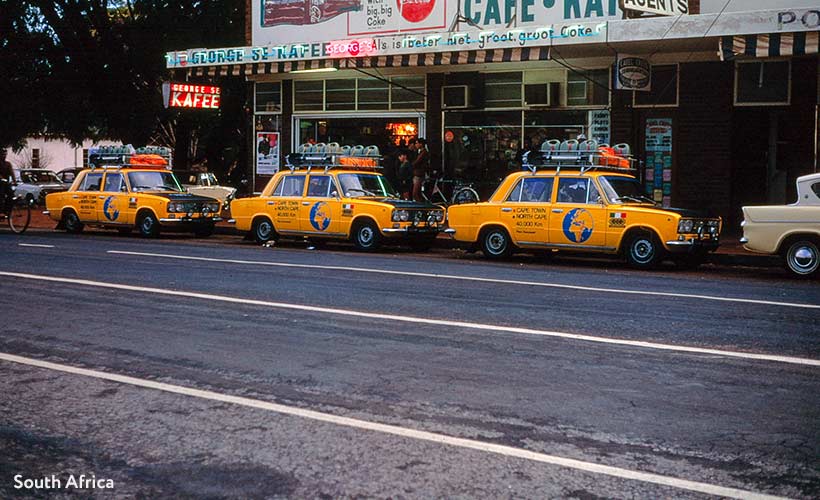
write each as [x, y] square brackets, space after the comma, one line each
[186, 95]
[351, 48]
[417, 10]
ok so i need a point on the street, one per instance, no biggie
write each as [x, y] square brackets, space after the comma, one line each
[185, 367]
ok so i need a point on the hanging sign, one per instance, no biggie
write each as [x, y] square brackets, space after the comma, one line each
[186, 95]
[633, 73]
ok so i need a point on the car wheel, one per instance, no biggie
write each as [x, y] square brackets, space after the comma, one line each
[803, 258]
[148, 226]
[495, 243]
[263, 231]
[643, 251]
[366, 236]
[71, 222]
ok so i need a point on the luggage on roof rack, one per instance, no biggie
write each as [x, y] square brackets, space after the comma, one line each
[335, 156]
[584, 156]
[126, 156]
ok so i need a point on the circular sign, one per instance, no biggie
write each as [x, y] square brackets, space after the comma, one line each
[448, 136]
[415, 10]
[319, 216]
[578, 225]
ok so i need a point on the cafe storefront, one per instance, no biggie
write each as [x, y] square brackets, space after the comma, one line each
[722, 123]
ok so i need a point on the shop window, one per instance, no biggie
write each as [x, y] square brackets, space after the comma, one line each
[588, 88]
[407, 92]
[308, 95]
[540, 126]
[502, 90]
[340, 94]
[664, 91]
[482, 145]
[85, 156]
[762, 83]
[269, 97]
[373, 94]
[35, 158]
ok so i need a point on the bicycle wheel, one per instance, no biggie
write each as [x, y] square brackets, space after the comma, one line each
[465, 194]
[19, 216]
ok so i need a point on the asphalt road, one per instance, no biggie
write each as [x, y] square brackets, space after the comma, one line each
[328, 373]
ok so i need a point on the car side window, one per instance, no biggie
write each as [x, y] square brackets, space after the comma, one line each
[515, 194]
[319, 186]
[536, 190]
[113, 183]
[572, 190]
[816, 188]
[91, 182]
[594, 196]
[292, 185]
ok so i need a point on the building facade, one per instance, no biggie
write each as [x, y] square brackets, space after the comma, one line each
[726, 114]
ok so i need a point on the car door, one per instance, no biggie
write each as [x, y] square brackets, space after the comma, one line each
[285, 201]
[113, 206]
[525, 211]
[85, 200]
[320, 210]
[578, 216]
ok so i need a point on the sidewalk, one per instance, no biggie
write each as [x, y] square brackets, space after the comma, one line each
[730, 252]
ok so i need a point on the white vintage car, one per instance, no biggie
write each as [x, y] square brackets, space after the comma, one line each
[792, 231]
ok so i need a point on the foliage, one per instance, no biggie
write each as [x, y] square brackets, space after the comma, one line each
[94, 68]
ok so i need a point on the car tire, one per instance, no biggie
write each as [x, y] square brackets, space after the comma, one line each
[495, 243]
[802, 257]
[71, 222]
[366, 236]
[643, 251]
[148, 226]
[263, 231]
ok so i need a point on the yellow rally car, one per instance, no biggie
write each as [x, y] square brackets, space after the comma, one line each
[583, 202]
[327, 196]
[131, 190]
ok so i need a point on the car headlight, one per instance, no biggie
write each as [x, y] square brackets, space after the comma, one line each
[439, 214]
[401, 215]
[213, 207]
[686, 226]
[176, 207]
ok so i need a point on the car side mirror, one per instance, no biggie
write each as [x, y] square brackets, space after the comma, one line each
[334, 194]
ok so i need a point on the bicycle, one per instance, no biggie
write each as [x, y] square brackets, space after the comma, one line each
[17, 212]
[461, 191]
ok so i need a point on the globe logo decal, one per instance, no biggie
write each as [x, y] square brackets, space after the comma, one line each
[110, 208]
[578, 225]
[319, 216]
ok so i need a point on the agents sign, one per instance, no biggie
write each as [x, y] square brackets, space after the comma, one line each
[185, 95]
[660, 7]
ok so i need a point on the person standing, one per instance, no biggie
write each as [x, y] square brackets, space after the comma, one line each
[421, 165]
[405, 175]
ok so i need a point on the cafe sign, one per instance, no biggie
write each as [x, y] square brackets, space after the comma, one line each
[186, 95]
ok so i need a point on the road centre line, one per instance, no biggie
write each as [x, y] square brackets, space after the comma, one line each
[395, 430]
[426, 321]
[35, 245]
[471, 278]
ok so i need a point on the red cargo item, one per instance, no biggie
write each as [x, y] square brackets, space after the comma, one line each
[148, 160]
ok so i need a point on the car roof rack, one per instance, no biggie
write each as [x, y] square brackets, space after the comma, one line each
[580, 156]
[355, 158]
[126, 156]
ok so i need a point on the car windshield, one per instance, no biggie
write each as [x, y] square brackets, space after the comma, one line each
[356, 185]
[46, 177]
[154, 181]
[624, 190]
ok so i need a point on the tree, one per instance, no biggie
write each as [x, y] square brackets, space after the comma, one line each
[94, 68]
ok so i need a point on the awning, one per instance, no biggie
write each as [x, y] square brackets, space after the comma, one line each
[772, 45]
[408, 60]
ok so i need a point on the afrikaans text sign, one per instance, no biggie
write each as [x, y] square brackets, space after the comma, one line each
[184, 95]
[554, 34]
[277, 22]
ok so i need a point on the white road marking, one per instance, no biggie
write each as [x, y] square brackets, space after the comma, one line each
[507, 451]
[417, 320]
[36, 245]
[473, 278]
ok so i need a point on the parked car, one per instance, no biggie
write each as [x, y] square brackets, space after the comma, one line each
[35, 183]
[206, 184]
[138, 192]
[583, 202]
[791, 231]
[342, 197]
[67, 175]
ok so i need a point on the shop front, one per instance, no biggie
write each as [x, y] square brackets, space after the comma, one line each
[485, 92]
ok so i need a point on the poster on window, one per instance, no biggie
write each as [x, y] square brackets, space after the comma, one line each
[658, 176]
[267, 153]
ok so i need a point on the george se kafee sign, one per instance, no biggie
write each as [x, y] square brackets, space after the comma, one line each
[186, 95]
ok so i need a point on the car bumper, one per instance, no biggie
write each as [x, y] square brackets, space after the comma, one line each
[692, 245]
[190, 220]
[410, 230]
